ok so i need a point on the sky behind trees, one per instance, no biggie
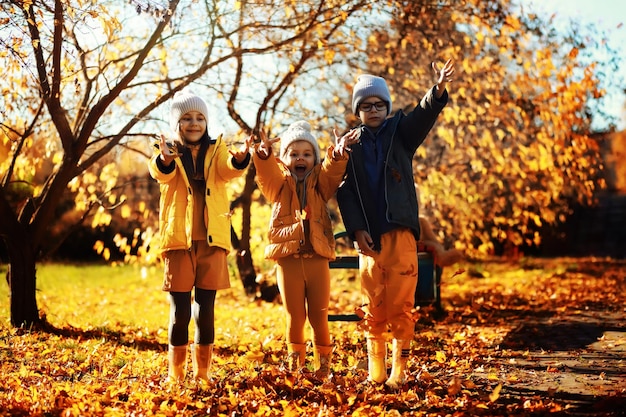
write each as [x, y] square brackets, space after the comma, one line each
[608, 16]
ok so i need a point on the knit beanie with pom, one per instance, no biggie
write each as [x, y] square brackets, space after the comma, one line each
[370, 86]
[183, 102]
[299, 130]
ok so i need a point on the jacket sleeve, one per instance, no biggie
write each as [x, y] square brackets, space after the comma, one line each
[417, 124]
[331, 174]
[269, 177]
[351, 210]
[225, 163]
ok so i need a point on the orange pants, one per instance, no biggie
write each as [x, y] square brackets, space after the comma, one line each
[388, 283]
[304, 284]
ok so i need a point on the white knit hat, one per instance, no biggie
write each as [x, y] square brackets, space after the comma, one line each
[299, 130]
[370, 86]
[183, 102]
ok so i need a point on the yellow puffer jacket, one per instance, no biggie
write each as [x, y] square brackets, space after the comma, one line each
[286, 230]
[176, 203]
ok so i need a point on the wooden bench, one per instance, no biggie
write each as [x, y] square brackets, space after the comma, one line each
[427, 292]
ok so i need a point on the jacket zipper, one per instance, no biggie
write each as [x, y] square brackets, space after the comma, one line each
[393, 134]
[358, 191]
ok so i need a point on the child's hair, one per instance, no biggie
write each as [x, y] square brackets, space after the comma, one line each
[300, 130]
[183, 102]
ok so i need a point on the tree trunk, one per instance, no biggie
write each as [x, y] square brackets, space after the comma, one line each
[245, 263]
[21, 275]
[22, 278]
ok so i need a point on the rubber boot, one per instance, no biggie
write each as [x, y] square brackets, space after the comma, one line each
[401, 349]
[376, 359]
[177, 363]
[201, 356]
[296, 354]
[321, 357]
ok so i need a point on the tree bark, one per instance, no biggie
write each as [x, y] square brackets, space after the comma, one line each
[245, 264]
[21, 276]
[22, 285]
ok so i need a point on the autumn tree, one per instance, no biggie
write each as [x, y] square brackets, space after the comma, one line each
[84, 79]
[513, 149]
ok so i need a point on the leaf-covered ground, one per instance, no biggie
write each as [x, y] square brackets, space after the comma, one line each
[537, 337]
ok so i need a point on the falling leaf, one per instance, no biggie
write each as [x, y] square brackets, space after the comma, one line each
[495, 394]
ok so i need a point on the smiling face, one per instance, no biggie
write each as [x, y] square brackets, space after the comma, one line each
[192, 126]
[300, 158]
[373, 112]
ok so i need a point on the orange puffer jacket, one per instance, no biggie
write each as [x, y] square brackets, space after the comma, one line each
[286, 230]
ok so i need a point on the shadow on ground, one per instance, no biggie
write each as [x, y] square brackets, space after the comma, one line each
[121, 338]
[556, 336]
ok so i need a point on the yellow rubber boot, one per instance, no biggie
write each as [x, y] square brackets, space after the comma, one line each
[296, 354]
[376, 359]
[322, 357]
[400, 355]
[177, 363]
[201, 361]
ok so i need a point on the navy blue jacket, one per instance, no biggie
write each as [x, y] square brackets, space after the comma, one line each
[400, 136]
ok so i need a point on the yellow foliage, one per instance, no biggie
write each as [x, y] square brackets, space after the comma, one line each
[329, 56]
[57, 157]
[98, 246]
[126, 211]
[505, 139]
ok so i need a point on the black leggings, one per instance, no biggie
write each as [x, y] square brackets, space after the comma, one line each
[203, 315]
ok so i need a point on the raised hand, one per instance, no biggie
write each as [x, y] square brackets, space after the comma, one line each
[167, 156]
[264, 147]
[343, 143]
[241, 153]
[443, 75]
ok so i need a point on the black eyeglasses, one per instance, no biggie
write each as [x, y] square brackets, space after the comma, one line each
[379, 105]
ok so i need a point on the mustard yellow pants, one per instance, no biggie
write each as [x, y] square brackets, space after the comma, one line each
[304, 284]
[388, 282]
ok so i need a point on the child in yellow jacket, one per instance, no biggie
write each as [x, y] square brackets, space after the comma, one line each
[192, 173]
[301, 239]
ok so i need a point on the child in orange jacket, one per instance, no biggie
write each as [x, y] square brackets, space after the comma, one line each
[301, 239]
